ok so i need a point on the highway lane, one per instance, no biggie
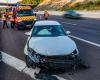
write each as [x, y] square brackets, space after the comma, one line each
[88, 29]
[86, 50]
[13, 42]
[89, 54]
[7, 42]
[9, 73]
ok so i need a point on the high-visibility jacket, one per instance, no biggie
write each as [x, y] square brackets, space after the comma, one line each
[11, 19]
[3, 17]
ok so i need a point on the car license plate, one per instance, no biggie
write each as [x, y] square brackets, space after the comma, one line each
[28, 25]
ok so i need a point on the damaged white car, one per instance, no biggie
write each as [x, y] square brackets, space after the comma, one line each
[49, 46]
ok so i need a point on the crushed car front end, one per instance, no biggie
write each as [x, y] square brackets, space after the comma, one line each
[57, 61]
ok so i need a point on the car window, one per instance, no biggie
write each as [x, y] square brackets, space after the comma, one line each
[44, 32]
[25, 13]
[48, 30]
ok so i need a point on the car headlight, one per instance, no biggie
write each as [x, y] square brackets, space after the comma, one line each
[19, 21]
[38, 58]
[31, 50]
[74, 53]
[35, 56]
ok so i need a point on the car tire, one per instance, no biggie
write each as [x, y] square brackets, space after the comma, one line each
[29, 62]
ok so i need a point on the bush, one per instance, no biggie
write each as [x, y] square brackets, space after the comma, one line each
[91, 5]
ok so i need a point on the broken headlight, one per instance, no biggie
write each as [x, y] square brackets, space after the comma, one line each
[31, 50]
[74, 53]
[36, 57]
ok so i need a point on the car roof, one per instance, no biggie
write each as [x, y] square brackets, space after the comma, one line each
[46, 22]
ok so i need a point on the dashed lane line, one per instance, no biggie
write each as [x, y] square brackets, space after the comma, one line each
[69, 23]
[21, 66]
[86, 41]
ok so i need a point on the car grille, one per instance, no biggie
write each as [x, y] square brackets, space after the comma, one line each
[59, 58]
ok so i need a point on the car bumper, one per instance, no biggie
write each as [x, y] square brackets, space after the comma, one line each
[24, 24]
[57, 64]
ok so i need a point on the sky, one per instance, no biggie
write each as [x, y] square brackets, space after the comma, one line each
[10, 1]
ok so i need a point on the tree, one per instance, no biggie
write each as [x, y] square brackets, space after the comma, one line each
[34, 2]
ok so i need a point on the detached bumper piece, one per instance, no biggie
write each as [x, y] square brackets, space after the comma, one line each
[25, 24]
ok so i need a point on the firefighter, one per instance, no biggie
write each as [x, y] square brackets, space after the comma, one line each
[12, 20]
[46, 15]
[4, 19]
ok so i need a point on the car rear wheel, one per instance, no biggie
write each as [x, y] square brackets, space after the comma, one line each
[29, 62]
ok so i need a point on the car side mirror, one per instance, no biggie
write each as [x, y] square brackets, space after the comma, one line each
[28, 33]
[68, 32]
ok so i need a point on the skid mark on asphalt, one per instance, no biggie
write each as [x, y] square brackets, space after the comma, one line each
[21, 66]
[86, 41]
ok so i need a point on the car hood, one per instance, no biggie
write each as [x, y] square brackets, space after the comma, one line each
[49, 46]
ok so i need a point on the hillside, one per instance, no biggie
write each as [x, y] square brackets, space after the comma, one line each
[56, 4]
[63, 4]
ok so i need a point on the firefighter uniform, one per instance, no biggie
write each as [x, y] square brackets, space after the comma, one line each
[4, 21]
[12, 20]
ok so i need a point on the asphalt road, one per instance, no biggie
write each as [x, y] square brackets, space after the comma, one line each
[13, 42]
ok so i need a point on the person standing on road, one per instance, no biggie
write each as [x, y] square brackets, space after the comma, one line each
[4, 19]
[12, 20]
[46, 15]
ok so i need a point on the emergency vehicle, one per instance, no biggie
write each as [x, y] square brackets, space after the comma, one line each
[23, 15]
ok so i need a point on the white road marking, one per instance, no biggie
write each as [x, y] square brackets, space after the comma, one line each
[69, 23]
[21, 66]
[14, 62]
[74, 24]
[89, 42]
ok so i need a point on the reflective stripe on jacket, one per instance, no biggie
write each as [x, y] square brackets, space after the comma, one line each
[11, 19]
[3, 17]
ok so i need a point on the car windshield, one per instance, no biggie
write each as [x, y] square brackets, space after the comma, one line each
[24, 13]
[71, 11]
[48, 30]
